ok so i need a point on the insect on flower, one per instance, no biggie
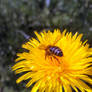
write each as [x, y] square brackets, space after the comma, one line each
[53, 51]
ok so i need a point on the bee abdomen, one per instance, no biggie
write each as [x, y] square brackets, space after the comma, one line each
[56, 50]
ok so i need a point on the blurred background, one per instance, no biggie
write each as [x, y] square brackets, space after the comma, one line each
[19, 19]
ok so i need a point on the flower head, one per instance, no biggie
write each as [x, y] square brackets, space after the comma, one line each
[50, 71]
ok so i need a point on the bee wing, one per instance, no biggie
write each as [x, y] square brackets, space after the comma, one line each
[42, 47]
[57, 39]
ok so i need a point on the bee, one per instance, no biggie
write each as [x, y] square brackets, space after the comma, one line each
[53, 51]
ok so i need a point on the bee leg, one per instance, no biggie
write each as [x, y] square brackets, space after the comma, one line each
[51, 58]
[45, 56]
[56, 59]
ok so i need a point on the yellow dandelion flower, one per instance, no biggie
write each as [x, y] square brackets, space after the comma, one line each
[56, 62]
